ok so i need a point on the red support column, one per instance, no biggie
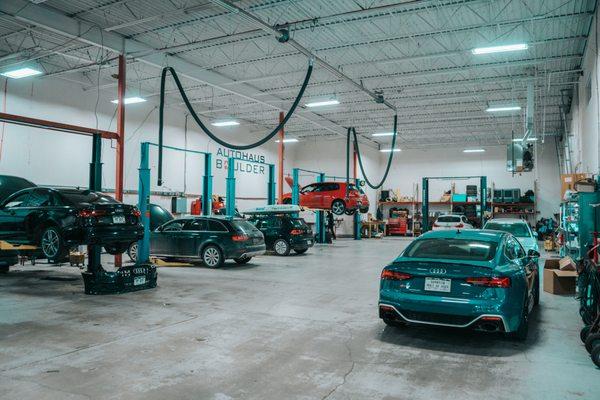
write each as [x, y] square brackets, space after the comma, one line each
[280, 160]
[120, 156]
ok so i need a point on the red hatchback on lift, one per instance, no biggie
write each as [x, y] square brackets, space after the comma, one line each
[332, 196]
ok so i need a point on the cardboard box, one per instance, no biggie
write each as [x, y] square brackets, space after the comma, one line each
[567, 264]
[568, 182]
[558, 281]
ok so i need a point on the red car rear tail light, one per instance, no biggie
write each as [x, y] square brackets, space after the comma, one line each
[436, 226]
[498, 282]
[296, 232]
[394, 275]
[460, 226]
[136, 212]
[87, 213]
[239, 238]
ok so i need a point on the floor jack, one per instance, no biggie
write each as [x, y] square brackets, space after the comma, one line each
[96, 279]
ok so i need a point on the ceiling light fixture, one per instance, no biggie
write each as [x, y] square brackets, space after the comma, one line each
[474, 151]
[503, 108]
[21, 73]
[225, 123]
[500, 49]
[383, 134]
[322, 103]
[390, 150]
[288, 140]
[130, 100]
[531, 139]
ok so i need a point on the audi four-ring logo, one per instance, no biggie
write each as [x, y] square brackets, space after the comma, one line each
[439, 271]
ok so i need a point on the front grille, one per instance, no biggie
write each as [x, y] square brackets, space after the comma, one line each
[436, 318]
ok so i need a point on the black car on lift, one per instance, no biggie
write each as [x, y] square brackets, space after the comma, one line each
[58, 219]
[9, 185]
[209, 239]
[284, 233]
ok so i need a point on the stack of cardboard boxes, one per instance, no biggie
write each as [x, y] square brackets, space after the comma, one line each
[560, 276]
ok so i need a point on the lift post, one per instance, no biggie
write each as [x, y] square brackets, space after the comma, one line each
[425, 197]
[144, 192]
[230, 184]
[320, 233]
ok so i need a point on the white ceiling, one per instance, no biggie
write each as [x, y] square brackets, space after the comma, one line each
[417, 53]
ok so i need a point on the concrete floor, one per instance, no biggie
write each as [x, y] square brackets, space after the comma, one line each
[302, 327]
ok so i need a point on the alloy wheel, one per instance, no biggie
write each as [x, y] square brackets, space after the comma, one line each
[211, 257]
[133, 251]
[281, 247]
[50, 243]
[338, 207]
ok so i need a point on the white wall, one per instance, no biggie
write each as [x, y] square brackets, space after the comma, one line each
[61, 159]
[585, 144]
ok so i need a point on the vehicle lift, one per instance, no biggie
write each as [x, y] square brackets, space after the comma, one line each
[144, 193]
[425, 196]
[320, 215]
[230, 184]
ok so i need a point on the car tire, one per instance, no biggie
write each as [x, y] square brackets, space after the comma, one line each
[364, 210]
[394, 323]
[116, 248]
[338, 207]
[595, 355]
[212, 256]
[242, 260]
[52, 244]
[349, 212]
[300, 251]
[584, 332]
[286, 201]
[132, 251]
[521, 333]
[592, 340]
[281, 247]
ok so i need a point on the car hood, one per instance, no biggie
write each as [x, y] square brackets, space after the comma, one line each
[529, 243]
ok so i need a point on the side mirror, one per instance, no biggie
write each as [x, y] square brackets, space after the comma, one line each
[533, 254]
[535, 234]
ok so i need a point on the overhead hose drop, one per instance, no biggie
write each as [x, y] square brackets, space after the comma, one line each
[389, 164]
[281, 124]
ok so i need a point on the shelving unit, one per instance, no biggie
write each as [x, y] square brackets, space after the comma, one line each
[569, 227]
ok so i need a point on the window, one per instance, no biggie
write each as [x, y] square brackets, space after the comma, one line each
[18, 201]
[196, 225]
[449, 218]
[309, 188]
[174, 226]
[216, 226]
[329, 187]
[40, 198]
[243, 226]
[454, 249]
[85, 196]
[516, 229]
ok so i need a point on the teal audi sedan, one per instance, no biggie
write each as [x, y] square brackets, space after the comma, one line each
[477, 279]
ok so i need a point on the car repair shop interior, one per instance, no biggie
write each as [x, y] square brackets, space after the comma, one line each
[299, 199]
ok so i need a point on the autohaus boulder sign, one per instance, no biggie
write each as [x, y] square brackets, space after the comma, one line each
[245, 162]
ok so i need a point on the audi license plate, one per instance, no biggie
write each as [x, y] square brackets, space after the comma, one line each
[309, 242]
[437, 284]
[118, 219]
[139, 280]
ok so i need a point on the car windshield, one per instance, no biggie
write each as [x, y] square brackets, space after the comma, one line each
[452, 249]
[88, 197]
[449, 218]
[517, 229]
[244, 226]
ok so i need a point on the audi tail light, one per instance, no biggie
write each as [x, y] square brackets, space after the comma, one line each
[296, 232]
[497, 282]
[436, 225]
[87, 213]
[239, 238]
[390, 275]
[136, 213]
[460, 225]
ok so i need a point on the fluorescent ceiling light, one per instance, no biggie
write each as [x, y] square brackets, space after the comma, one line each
[531, 139]
[503, 108]
[389, 150]
[129, 100]
[500, 49]
[474, 151]
[383, 134]
[323, 103]
[225, 123]
[21, 73]
[289, 140]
